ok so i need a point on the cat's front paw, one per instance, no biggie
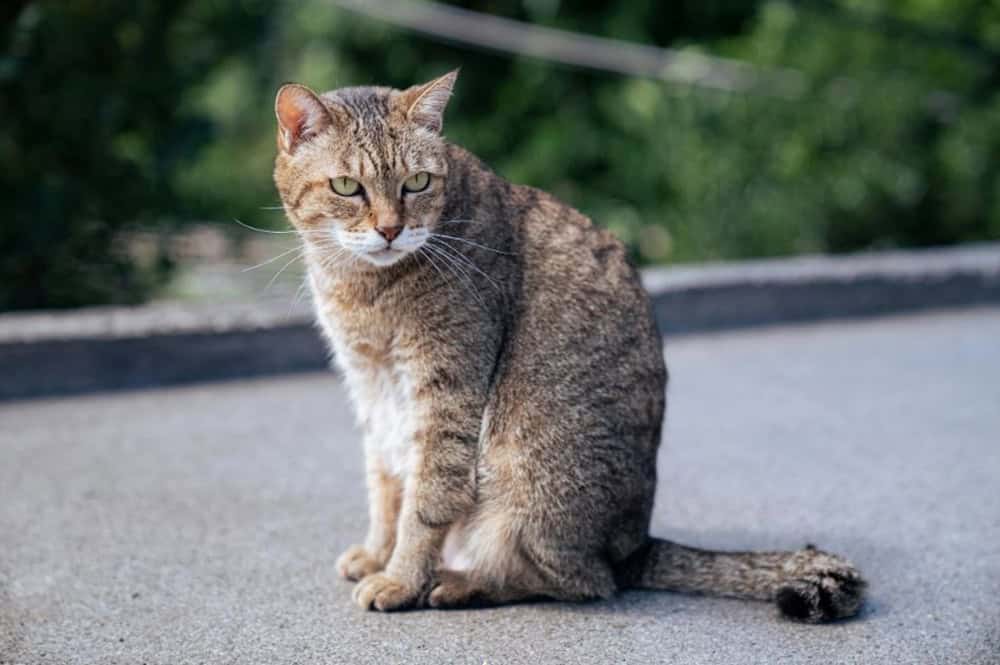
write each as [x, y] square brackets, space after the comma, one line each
[385, 593]
[356, 564]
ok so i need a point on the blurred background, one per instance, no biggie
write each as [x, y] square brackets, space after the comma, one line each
[133, 133]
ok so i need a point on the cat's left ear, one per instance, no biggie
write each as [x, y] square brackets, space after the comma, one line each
[425, 104]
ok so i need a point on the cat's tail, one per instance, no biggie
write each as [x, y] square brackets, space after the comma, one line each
[808, 585]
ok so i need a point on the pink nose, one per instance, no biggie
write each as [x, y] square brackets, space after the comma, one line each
[389, 232]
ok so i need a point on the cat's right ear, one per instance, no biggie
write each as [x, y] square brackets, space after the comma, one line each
[425, 104]
[301, 115]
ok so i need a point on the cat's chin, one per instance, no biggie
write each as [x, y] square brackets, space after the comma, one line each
[384, 257]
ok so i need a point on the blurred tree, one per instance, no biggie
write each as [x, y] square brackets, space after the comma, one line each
[120, 114]
[93, 129]
[892, 143]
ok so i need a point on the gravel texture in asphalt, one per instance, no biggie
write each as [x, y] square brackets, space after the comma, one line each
[201, 524]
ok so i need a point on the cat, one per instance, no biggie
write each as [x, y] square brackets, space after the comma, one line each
[505, 368]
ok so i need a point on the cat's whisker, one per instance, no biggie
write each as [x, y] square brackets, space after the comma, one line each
[327, 245]
[447, 262]
[460, 272]
[273, 259]
[462, 279]
[295, 299]
[463, 258]
[260, 230]
[284, 268]
[422, 251]
[470, 242]
[461, 283]
[331, 261]
[459, 261]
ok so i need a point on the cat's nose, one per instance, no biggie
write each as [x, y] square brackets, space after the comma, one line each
[389, 232]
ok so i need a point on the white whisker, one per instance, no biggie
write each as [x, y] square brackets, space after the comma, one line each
[272, 259]
[430, 261]
[295, 299]
[283, 268]
[254, 228]
[461, 257]
[460, 272]
[458, 276]
[469, 242]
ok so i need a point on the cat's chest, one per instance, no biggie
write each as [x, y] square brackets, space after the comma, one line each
[383, 400]
[381, 389]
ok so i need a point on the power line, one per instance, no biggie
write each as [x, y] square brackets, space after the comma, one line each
[580, 50]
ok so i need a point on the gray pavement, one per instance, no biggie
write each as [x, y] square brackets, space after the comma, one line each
[200, 524]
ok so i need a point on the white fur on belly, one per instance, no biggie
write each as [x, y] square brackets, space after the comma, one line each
[485, 545]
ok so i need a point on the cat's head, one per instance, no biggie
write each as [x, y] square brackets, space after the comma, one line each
[363, 170]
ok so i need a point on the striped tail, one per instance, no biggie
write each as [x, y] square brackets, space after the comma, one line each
[808, 585]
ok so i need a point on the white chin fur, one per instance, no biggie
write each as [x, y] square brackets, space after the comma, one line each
[385, 257]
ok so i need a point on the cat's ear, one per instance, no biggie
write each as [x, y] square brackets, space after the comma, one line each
[425, 104]
[301, 115]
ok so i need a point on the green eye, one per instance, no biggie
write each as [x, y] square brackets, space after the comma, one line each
[345, 186]
[417, 183]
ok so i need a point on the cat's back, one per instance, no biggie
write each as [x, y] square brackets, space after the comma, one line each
[557, 245]
[582, 293]
[564, 245]
[582, 334]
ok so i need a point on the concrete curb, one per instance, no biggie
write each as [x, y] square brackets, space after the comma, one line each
[753, 293]
[109, 348]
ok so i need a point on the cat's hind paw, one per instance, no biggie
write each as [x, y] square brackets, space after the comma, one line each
[453, 589]
[820, 587]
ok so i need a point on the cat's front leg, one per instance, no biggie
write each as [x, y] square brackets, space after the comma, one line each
[439, 490]
[385, 495]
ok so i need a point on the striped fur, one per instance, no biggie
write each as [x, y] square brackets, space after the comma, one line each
[506, 370]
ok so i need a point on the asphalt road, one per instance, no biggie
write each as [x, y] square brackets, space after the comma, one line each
[200, 524]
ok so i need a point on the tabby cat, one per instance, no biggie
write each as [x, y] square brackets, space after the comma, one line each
[506, 372]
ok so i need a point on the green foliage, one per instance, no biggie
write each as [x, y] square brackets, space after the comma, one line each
[143, 113]
[94, 130]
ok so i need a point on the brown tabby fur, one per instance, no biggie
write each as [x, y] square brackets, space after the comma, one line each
[506, 371]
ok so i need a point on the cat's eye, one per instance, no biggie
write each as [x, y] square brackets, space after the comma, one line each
[417, 183]
[345, 186]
